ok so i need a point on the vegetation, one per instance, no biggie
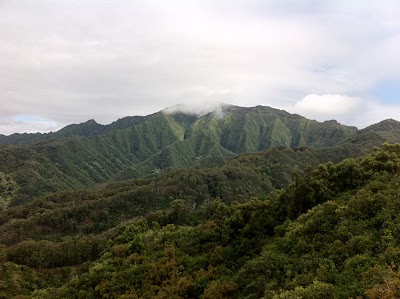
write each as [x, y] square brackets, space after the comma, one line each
[84, 155]
[330, 234]
[258, 203]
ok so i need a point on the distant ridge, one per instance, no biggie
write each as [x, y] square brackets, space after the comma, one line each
[89, 153]
[85, 129]
[375, 135]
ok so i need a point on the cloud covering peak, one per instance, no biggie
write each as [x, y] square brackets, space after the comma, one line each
[69, 61]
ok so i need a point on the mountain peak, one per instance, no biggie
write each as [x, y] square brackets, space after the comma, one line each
[91, 122]
[387, 124]
[197, 109]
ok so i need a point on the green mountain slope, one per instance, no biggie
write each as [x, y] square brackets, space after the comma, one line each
[245, 175]
[76, 162]
[86, 129]
[83, 155]
[214, 234]
[384, 131]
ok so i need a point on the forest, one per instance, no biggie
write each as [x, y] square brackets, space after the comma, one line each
[333, 232]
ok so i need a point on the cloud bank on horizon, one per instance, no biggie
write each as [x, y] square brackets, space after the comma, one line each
[68, 61]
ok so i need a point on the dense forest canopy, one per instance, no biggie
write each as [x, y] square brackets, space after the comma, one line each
[332, 233]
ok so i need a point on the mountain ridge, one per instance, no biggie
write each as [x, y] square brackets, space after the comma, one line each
[81, 129]
[87, 154]
[216, 206]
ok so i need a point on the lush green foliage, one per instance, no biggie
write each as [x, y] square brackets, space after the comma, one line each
[104, 207]
[332, 233]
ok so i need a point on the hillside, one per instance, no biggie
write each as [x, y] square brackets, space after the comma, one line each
[276, 127]
[86, 129]
[87, 154]
[213, 234]
[244, 176]
[384, 131]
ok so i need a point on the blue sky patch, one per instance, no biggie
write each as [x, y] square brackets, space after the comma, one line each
[388, 91]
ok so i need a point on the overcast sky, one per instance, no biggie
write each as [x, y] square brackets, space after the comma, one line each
[66, 61]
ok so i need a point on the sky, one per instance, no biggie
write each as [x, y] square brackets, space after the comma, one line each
[68, 61]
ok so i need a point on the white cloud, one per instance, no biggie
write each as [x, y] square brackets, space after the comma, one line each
[328, 105]
[375, 112]
[69, 61]
[345, 109]
[29, 126]
[199, 109]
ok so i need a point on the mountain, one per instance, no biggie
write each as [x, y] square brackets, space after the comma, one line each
[260, 127]
[384, 131]
[231, 204]
[86, 129]
[87, 154]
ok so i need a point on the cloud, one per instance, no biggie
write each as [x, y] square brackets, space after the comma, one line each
[346, 109]
[200, 109]
[195, 109]
[328, 105]
[375, 112]
[69, 61]
[29, 126]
